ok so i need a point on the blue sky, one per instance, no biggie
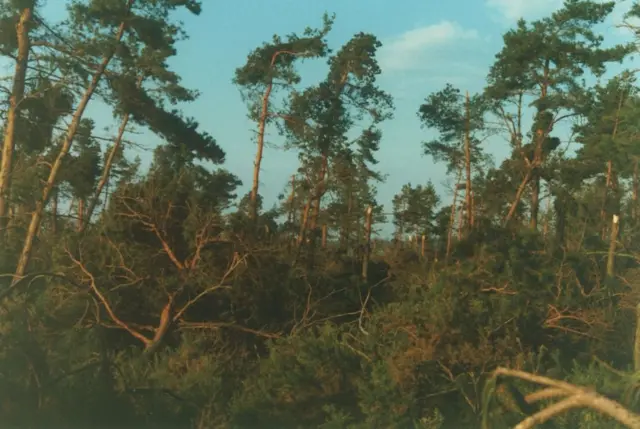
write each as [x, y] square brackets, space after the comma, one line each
[427, 43]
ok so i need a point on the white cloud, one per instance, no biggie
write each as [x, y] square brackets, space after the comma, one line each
[405, 51]
[617, 18]
[512, 10]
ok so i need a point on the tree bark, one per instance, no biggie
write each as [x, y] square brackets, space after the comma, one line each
[518, 197]
[452, 221]
[467, 164]
[80, 214]
[634, 197]
[321, 190]
[258, 160]
[36, 217]
[535, 201]
[106, 171]
[54, 213]
[17, 95]
[262, 126]
[367, 244]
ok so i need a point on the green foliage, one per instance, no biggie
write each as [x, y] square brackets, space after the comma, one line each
[173, 310]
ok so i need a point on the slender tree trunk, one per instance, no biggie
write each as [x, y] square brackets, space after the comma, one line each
[264, 114]
[613, 241]
[634, 197]
[636, 343]
[36, 217]
[605, 194]
[80, 214]
[535, 201]
[303, 222]
[461, 218]
[346, 229]
[539, 155]
[262, 126]
[17, 94]
[452, 219]
[292, 207]
[367, 244]
[321, 190]
[467, 164]
[473, 208]
[609, 180]
[545, 228]
[106, 171]
[324, 236]
[54, 213]
[518, 197]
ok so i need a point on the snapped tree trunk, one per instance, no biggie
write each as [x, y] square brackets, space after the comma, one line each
[36, 217]
[17, 94]
[518, 196]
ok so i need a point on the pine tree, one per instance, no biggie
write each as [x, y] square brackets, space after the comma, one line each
[542, 61]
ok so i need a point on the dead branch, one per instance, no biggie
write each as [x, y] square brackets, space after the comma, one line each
[150, 344]
[576, 397]
[146, 221]
[214, 325]
[237, 260]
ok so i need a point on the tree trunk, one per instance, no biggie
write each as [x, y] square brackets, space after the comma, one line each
[80, 214]
[321, 190]
[613, 241]
[367, 245]
[346, 227]
[54, 213]
[262, 126]
[452, 219]
[303, 222]
[292, 208]
[324, 236]
[106, 171]
[518, 197]
[36, 217]
[467, 164]
[636, 343]
[634, 197]
[609, 180]
[545, 228]
[535, 201]
[605, 194]
[253, 213]
[17, 94]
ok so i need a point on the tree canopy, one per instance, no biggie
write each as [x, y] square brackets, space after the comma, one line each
[169, 296]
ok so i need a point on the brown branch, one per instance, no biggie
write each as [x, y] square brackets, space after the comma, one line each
[105, 303]
[220, 285]
[151, 226]
[213, 325]
[578, 397]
